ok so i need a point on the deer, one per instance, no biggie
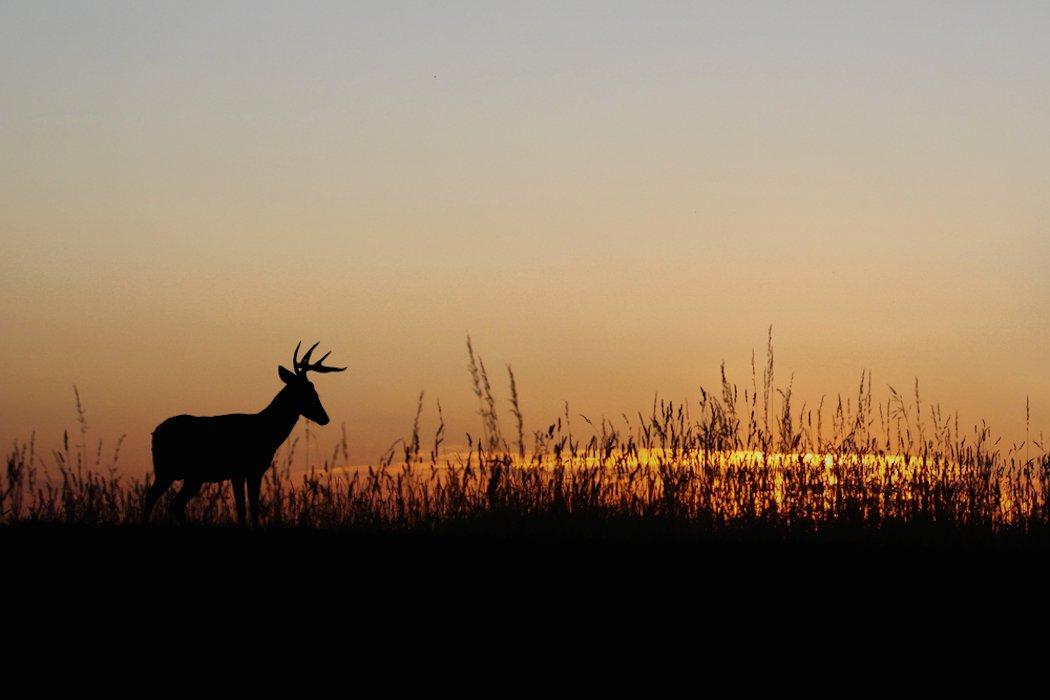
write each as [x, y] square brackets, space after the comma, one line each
[239, 447]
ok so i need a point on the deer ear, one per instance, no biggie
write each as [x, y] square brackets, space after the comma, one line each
[286, 376]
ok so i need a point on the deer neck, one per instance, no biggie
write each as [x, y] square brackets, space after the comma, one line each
[280, 417]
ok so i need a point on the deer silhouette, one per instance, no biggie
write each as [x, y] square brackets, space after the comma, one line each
[238, 446]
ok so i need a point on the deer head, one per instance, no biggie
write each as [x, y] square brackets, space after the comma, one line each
[301, 389]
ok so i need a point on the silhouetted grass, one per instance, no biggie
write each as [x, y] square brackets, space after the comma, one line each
[733, 466]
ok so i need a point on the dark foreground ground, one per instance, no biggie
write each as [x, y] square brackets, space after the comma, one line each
[344, 602]
[523, 557]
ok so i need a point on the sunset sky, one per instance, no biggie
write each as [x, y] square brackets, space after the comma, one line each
[611, 197]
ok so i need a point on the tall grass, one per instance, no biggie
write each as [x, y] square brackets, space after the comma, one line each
[730, 461]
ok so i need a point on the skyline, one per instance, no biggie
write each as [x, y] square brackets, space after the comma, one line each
[610, 198]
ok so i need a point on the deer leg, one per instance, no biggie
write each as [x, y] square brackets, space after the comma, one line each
[152, 494]
[178, 504]
[253, 497]
[238, 498]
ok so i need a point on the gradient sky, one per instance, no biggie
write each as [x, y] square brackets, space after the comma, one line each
[612, 197]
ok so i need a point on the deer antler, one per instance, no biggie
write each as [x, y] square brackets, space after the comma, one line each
[295, 357]
[303, 366]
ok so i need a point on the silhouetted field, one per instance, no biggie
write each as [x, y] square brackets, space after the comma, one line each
[738, 467]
